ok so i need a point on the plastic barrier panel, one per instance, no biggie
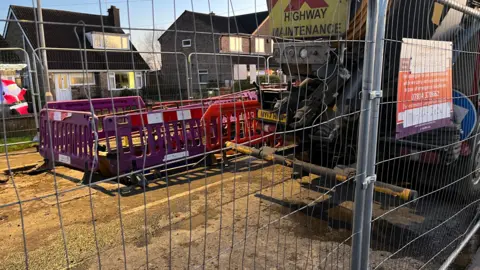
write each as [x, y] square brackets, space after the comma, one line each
[142, 139]
[233, 121]
[71, 140]
[149, 139]
[101, 106]
[243, 95]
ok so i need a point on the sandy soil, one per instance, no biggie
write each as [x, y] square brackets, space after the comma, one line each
[185, 225]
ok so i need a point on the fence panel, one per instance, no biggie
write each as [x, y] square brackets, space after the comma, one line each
[427, 131]
[19, 97]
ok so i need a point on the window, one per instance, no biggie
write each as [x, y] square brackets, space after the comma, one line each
[122, 81]
[109, 41]
[240, 72]
[82, 79]
[186, 43]
[111, 81]
[259, 45]
[125, 80]
[235, 44]
[203, 76]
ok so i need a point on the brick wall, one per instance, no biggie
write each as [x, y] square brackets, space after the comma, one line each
[102, 82]
[173, 73]
[248, 44]
[18, 126]
[220, 68]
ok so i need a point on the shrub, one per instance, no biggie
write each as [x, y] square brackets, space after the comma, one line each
[273, 79]
[127, 92]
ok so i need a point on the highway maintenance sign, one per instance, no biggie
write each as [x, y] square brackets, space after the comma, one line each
[309, 18]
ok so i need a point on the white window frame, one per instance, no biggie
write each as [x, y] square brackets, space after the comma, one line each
[235, 44]
[100, 44]
[187, 45]
[259, 45]
[138, 77]
[70, 75]
[111, 81]
[138, 80]
[202, 72]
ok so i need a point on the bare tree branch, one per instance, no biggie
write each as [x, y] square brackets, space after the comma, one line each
[149, 43]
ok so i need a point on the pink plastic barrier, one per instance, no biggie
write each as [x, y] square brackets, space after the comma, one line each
[71, 140]
[153, 138]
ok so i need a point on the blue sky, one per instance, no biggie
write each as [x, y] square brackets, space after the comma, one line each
[140, 11]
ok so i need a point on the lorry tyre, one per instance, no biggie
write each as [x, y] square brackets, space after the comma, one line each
[467, 173]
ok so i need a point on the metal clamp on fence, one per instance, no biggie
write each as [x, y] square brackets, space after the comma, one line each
[369, 180]
[376, 94]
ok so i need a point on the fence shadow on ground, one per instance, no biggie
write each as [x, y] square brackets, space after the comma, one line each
[178, 176]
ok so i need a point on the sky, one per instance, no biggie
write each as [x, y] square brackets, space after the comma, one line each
[140, 11]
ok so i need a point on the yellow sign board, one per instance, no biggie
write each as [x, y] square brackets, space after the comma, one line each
[309, 18]
[272, 116]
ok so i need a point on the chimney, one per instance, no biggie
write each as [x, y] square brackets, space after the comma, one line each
[212, 13]
[114, 15]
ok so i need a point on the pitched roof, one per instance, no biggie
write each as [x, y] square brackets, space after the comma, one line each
[63, 36]
[7, 57]
[241, 24]
[251, 21]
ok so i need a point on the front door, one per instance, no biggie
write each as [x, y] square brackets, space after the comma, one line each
[62, 87]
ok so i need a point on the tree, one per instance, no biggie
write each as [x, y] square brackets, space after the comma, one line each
[151, 48]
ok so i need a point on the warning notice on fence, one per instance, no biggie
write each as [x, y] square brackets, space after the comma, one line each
[424, 86]
[309, 18]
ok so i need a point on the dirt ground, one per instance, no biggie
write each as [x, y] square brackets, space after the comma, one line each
[201, 218]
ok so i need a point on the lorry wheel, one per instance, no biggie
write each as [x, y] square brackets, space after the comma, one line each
[475, 176]
[468, 171]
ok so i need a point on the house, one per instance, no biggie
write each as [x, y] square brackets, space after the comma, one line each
[112, 64]
[198, 36]
[11, 66]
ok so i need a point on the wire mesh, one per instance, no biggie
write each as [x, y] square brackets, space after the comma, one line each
[434, 162]
[20, 114]
[237, 137]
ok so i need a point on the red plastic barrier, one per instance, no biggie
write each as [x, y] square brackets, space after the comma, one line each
[243, 95]
[233, 121]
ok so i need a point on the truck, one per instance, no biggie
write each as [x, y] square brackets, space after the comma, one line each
[428, 122]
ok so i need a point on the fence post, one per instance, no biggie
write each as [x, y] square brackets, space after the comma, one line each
[33, 94]
[364, 134]
[268, 68]
[375, 98]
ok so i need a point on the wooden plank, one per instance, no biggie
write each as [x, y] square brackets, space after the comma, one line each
[400, 217]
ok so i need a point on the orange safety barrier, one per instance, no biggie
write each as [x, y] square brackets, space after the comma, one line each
[234, 122]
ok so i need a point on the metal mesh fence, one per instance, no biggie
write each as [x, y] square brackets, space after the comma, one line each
[303, 134]
[436, 162]
[19, 102]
